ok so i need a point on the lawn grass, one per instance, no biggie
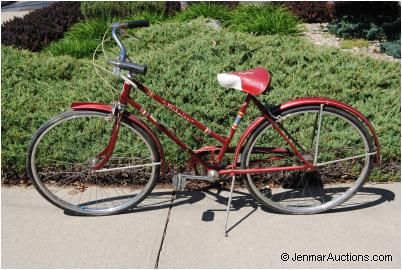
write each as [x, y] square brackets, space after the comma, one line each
[81, 40]
[206, 10]
[83, 37]
[262, 19]
[353, 43]
[183, 60]
[112, 9]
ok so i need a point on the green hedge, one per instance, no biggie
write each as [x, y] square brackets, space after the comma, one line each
[392, 48]
[367, 28]
[183, 61]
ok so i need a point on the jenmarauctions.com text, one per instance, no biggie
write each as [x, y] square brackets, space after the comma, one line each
[331, 257]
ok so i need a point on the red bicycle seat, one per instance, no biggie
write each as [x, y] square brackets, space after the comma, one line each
[253, 81]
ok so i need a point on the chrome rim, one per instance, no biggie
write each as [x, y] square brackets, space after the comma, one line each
[338, 173]
[64, 175]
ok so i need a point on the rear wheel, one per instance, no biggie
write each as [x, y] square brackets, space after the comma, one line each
[334, 140]
[64, 150]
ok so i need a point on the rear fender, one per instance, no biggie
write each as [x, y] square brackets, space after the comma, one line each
[339, 105]
[93, 106]
[303, 102]
[244, 136]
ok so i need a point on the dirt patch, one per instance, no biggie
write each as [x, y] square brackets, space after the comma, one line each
[318, 34]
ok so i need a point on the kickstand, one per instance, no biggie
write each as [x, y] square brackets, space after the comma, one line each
[228, 207]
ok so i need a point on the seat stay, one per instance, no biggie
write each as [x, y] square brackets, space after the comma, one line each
[288, 140]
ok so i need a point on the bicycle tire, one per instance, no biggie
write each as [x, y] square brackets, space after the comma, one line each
[102, 183]
[283, 184]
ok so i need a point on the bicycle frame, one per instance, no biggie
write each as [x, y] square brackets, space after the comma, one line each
[225, 141]
[232, 169]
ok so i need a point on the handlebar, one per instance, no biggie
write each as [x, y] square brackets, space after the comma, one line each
[136, 24]
[131, 24]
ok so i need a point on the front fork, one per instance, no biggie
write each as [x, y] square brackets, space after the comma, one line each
[117, 114]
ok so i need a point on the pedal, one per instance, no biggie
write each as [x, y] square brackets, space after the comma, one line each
[179, 180]
[178, 183]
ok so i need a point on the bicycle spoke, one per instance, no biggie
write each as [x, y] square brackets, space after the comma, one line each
[126, 167]
[344, 159]
[342, 165]
[291, 137]
[318, 135]
[65, 174]
[314, 128]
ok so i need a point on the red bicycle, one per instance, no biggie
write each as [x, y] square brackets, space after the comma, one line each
[302, 157]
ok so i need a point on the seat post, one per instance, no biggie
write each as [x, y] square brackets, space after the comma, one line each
[240, 114]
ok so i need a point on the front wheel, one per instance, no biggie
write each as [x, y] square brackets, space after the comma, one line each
[63, 151]
[334, 140]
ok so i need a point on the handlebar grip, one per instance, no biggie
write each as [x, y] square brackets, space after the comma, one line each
[136, 68]
[137, 24]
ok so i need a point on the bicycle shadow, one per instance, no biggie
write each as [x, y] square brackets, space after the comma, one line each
[157, 200]
[166, 199]
[366, 197]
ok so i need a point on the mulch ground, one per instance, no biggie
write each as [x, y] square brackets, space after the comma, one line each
[13, 179]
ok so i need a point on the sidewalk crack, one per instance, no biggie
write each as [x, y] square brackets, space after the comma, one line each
[164, 230]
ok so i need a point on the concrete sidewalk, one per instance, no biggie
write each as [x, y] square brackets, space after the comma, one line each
[188, 233]
[9, 15]
[21, 8]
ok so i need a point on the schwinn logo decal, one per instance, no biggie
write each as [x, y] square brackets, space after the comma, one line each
[176, 110]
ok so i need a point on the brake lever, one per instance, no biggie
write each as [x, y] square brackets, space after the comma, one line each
[115, 69]
[124, 32]
[135, 37]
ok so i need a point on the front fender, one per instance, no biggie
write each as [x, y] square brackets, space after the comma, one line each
[303, 102]
[93, 106]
